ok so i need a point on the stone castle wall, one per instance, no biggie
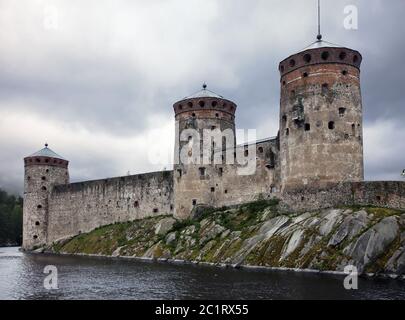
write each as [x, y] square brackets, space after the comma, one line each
[388, 194]
[81, 207]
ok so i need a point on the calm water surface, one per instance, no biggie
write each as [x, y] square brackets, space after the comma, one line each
[21, 277]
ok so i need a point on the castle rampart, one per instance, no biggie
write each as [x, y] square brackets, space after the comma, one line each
[83, 206]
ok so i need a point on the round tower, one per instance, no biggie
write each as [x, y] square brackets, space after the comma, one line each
[321, 139]
[205, 127]
[43, 170]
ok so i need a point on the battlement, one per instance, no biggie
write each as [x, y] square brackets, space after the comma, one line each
[323, 55]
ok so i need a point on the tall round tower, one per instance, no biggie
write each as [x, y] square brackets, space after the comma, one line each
[321, 139]
[197, 175]
[43, 170]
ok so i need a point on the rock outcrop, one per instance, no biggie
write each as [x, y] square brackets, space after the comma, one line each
[257, 234]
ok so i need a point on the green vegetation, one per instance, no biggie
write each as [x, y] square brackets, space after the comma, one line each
[10, 219]
[242, 235]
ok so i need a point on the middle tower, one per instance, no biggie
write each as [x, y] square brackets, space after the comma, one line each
[197, 178]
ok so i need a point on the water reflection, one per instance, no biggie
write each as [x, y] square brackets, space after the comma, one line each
[21, 277]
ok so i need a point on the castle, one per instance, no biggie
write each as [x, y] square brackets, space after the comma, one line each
[316, 160]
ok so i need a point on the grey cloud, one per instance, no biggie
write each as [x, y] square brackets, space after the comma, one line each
[112, 67]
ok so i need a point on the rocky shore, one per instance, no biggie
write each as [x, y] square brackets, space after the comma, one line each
[258, 236]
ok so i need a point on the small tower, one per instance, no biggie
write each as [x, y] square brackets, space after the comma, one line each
[197, 182]
[43, 170]
[321, 134]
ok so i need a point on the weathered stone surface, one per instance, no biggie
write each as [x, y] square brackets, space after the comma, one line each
[170, 238]
[164, 225]
[396, 264]
[211, 232]
[373, 242]
[270, 227]
[327, 224]
[350, 227]
[293, 243]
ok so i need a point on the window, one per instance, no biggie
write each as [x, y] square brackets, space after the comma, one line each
[194, 202]
[325, 88]
[282, 68]
[35, 237]
[180, 107]
[220, 171]
[284, 118]
[37, 223]
[331, 125]
[213, 127]
[28, 178]
[39, 206]
[43, 188]
[307, 58]
[155, 210]
[260, 149]
[226, 191]
[136, 204]
[287, 132]
[179, 172]
[201, 103]
[292, 63]
[353, 129]
[47, 170]
[171, 207]
[202, 171]
[214, 103]
[190, 104]
[342, 55]
[193, 115]
[246, 153]
[344, 72]
[212, 189]
[305, 74]
[307, 127]
[284, 83]
[325, 55]
[342, 111]
[355, 59]
[43, 178]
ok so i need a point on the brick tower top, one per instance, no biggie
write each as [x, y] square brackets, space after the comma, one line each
[320, 52]
[205, 100]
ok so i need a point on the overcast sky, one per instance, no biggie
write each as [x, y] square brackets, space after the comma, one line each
[97, 79]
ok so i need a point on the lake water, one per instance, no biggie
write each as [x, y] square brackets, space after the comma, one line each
[22, 277]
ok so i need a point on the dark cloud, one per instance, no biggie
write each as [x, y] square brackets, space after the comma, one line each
[102, 83]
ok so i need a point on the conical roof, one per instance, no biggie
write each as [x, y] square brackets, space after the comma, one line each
[204, 93]
[46, 152]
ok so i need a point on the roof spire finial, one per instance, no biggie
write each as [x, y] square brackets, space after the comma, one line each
[204, 86]
[46, 144]
[319, 36]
